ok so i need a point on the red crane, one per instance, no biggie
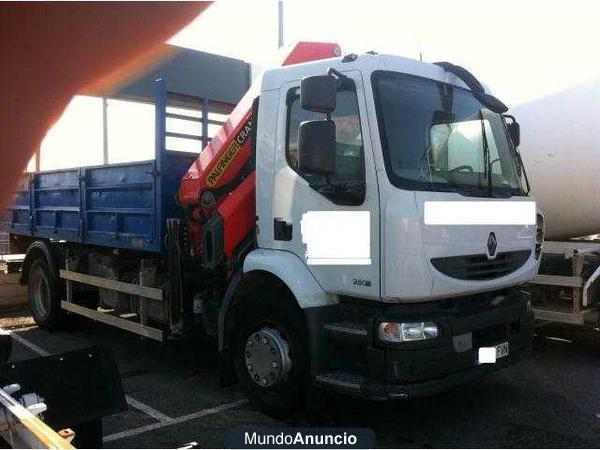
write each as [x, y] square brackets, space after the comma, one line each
[219, 188]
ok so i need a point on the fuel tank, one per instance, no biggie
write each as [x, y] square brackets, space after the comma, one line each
[560, 146]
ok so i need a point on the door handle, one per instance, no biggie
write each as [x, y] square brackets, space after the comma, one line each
[282, 230]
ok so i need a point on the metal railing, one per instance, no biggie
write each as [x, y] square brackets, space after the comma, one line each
[3, 243]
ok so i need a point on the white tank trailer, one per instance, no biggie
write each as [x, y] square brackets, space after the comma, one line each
[560, 146]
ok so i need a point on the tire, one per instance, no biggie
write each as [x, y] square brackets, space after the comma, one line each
[44, 300]
[88, 434]
[277, 315]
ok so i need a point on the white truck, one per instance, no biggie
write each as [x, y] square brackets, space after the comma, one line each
[312, 236]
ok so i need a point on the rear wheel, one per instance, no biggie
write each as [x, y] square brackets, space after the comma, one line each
[43, 296]
[270, 353]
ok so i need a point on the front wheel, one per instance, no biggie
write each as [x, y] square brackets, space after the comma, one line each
[270, 353]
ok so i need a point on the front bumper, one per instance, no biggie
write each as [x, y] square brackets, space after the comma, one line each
[358, 363]
[374, 389]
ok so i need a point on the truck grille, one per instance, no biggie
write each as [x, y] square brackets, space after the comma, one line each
[479, 267]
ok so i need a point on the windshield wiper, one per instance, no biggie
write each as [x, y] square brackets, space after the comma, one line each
[453, 186]
[486, 154]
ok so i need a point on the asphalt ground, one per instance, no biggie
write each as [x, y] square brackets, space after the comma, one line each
[551, 400]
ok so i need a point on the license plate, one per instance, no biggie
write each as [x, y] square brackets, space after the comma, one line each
[489, 355]
[501, 350]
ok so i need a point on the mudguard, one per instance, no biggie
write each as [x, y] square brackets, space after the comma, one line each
[293, 272]
[318, 306]
[32, 252]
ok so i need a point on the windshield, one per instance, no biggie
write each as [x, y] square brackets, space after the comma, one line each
[436, 136]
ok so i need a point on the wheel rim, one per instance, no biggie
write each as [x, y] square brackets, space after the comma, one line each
[267, 357]
[40, 293]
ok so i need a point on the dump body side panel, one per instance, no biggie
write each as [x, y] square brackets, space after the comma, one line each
[111, 206]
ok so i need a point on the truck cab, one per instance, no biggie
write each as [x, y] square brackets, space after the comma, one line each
[406, 133]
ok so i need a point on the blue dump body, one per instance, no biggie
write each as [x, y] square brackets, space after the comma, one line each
[118, 205]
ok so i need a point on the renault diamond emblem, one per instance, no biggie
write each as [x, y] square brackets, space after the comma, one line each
[491, 245]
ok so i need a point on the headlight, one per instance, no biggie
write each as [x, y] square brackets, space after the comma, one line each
[539, 235]
[407, 331]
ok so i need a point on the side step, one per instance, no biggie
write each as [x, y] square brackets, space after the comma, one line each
[347, 331]
[359, 386]
[124, 324]
[341, 380]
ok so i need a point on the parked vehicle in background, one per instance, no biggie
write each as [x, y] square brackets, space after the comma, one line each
[559, 144]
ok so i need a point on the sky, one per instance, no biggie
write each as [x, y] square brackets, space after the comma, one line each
[522, 50]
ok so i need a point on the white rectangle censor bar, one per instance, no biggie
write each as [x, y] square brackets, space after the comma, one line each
[480, 213]
[337, 237]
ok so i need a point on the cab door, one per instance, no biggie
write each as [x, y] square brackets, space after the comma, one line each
[330, 222]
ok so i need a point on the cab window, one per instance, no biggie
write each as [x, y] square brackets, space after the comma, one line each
[346, 184]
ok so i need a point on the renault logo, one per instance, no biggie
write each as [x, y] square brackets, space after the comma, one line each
[491, 245]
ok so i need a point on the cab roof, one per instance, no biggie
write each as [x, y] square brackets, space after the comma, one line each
[367, 63]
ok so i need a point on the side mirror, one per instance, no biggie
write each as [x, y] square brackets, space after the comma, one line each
[316, 147]
[514, 130]
[318, 93]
